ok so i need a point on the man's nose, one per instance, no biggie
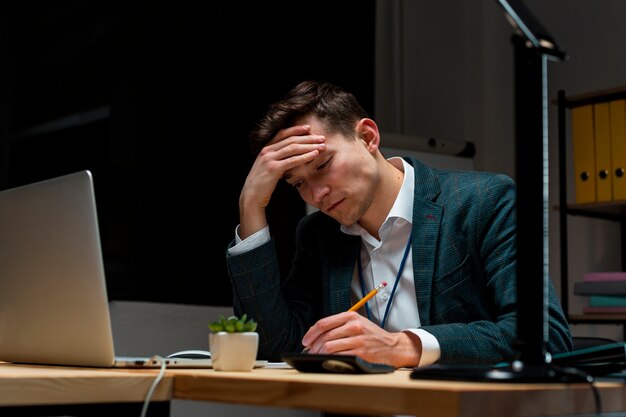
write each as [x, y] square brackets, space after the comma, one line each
[318, 192]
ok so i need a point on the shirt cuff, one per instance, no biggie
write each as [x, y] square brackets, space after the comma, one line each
[251, 242]
[431, 351]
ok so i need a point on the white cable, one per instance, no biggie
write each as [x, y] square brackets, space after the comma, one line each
[156, 381]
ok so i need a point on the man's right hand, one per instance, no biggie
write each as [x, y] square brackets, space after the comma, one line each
[290, 148]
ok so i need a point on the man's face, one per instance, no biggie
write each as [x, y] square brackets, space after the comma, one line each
[341, 180]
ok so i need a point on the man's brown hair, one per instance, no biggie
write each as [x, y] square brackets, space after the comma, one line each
[338, 109]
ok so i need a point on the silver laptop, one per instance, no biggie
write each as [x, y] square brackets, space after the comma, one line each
[53, 298]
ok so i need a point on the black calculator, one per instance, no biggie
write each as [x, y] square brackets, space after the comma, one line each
[341, 364]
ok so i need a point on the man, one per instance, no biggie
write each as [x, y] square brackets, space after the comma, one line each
[444, 241]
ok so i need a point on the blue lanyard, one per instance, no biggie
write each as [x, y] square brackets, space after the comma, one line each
[395, 284]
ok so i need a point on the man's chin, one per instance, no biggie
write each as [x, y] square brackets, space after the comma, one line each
[342, 221]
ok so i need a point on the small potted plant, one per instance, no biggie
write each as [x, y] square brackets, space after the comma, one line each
[234, 343]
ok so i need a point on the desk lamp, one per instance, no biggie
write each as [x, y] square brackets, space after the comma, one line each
[533, 48]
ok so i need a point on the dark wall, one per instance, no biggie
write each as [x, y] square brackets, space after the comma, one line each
[177, 87]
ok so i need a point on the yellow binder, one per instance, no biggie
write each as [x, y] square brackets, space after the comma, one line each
[602, 141]
[584, 154]
[618, 148]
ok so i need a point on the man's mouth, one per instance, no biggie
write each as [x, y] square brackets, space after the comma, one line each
[333, 206]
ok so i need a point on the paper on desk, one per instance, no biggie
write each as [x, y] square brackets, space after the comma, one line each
[278, 365]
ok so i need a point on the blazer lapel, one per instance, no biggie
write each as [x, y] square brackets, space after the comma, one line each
[427, 217]
[426, 222]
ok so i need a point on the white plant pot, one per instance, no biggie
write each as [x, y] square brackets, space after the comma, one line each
[233, 351]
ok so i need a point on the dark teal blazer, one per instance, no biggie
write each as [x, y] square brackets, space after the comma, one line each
[464, 264]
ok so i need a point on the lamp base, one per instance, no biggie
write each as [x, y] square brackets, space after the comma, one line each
[514, 372]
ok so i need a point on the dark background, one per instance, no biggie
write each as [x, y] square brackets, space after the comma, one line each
[157, 101]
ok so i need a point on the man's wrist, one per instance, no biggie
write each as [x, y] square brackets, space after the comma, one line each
[410, 350]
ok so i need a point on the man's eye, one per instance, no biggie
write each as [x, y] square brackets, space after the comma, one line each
[324, 165]
[297, 184]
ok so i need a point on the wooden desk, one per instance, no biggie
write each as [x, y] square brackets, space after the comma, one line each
[395, 393]
[23, 385]
[52, 390]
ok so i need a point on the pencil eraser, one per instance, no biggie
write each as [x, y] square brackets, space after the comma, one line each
[384, 283]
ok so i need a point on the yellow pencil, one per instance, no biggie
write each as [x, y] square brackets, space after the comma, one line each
[369, 295]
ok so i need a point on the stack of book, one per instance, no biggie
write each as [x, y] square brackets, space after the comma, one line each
[606, 292]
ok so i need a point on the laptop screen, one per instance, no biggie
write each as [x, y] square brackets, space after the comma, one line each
[53, 299]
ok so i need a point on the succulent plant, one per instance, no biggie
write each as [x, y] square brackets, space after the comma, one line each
[233, 324]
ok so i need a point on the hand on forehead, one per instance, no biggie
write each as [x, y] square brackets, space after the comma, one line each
[296, 130]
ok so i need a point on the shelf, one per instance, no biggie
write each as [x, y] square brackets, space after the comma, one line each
[614, 210]
[595, 97]
[597, 318]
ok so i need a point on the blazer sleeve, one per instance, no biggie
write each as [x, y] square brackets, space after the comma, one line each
[283, 308]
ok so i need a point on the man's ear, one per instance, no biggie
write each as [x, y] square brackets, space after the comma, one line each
[367, 130]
